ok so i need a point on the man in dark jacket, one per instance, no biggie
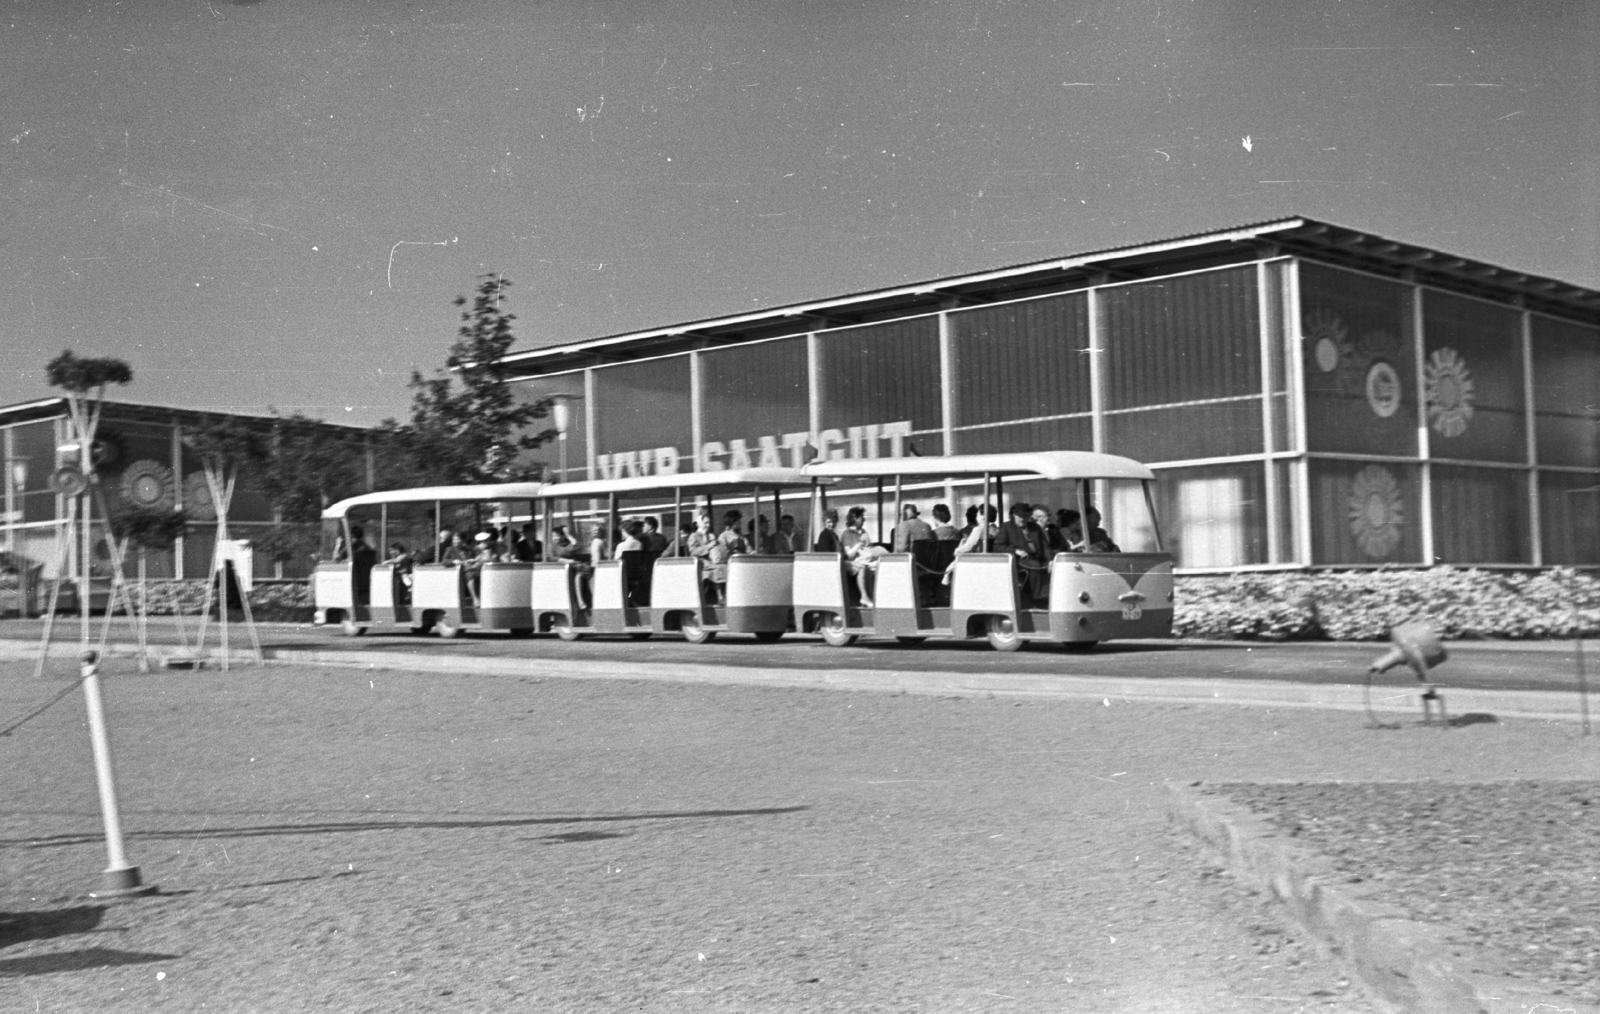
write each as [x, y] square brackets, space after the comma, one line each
[1026, 541]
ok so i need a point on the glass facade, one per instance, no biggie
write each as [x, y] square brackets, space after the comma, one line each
[1183, 367]
[1357, 347]
[1295, 412]
[1472, 379]
[1566, 376]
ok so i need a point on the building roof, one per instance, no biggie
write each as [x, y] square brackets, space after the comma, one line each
[1320, 241]
[116, 408]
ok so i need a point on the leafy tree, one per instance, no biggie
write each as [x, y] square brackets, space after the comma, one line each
[85, 382]
[466, 426]
[309, 466]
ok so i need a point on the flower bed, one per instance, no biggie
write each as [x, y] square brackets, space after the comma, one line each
[289, 601]
[1363, 605]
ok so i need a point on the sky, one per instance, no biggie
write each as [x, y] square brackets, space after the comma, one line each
[271, 204]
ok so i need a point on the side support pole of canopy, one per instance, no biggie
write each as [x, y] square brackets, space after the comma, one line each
[983, 512]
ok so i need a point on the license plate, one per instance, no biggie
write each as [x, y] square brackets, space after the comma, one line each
[1132, 612]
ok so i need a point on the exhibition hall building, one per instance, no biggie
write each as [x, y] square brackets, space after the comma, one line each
[1308, 395]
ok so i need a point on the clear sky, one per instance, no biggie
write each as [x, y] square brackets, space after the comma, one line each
[272, 203]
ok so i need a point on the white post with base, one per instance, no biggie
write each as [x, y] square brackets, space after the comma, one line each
[121, 878]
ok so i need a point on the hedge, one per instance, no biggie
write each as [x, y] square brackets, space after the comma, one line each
[1363, 605]
[290, 601]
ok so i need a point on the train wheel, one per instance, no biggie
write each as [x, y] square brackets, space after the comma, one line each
[1003, 634]
[565, 632]
[910, 639]
[639, 635]
[351, 628]
[832, 631]
[447, 630]
[768, 636]
[694, 633]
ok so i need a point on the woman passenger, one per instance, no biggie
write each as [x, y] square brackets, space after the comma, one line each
[860, 553]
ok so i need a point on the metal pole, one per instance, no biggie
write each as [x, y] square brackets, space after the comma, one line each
[880, 509]
[677, 519]
[983, 512]
[1583, 685]
[121, 877]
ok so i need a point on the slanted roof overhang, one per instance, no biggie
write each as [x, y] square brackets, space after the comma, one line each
[1305, 237]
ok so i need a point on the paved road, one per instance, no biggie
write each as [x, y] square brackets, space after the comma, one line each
[1537, 666]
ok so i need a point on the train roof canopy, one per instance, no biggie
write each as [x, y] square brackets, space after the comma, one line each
[485, 493]
[695, 482]
[1042, 464]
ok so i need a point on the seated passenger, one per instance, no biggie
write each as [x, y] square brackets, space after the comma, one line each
[788, 541]
[728, 544]
[1071, 529]
[972, 541]
[943, 530]
[828, 539]
[699, 544]
[654, 541]
[631, 541]
[861, 553]
[1053, 541]
[910, 529]
[1025, 540]
[1099, 541]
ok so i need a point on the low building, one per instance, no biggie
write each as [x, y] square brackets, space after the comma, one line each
[1310, 395]
[141, 461]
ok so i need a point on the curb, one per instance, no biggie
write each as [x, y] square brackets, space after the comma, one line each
[1536, 705]
[1404, 965]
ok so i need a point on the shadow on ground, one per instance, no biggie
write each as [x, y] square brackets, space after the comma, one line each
[76, 961]
[273, 830]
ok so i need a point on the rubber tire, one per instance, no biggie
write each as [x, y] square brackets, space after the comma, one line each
[446, 630]
[565, 632]
[350, 628]
[832, 631]
[694, 633]
[1002, 634]
[639, 635]
[910, 638]
[769, 636]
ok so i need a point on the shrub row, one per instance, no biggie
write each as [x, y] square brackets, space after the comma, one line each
[269, 602]
[1363, 605]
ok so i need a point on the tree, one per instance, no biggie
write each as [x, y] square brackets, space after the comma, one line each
[309, 466]
[475, 432]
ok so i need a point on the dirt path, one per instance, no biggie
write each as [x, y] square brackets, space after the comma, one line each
[390, 841]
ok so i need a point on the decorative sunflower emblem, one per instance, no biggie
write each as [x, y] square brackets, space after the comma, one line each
[1377, 513]
[1329, 340]
[197, 498]
[1449, 392]
[147, 484]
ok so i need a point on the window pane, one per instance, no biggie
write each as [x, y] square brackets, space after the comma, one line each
[640, 405]
[1569, 517]
[1183, 339]
[1360, 366]
[1365, 512]
[1020, 361]
[640, 409]
[1212, 430]
[1047, 434]
[1480, 515]
[1473, 379]
[1566, 392]
[884, 375]
[33, 460]
[1213, 516]
[751, 396]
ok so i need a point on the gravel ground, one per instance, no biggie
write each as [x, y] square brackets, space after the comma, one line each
[1508, 870]
[391, 841]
